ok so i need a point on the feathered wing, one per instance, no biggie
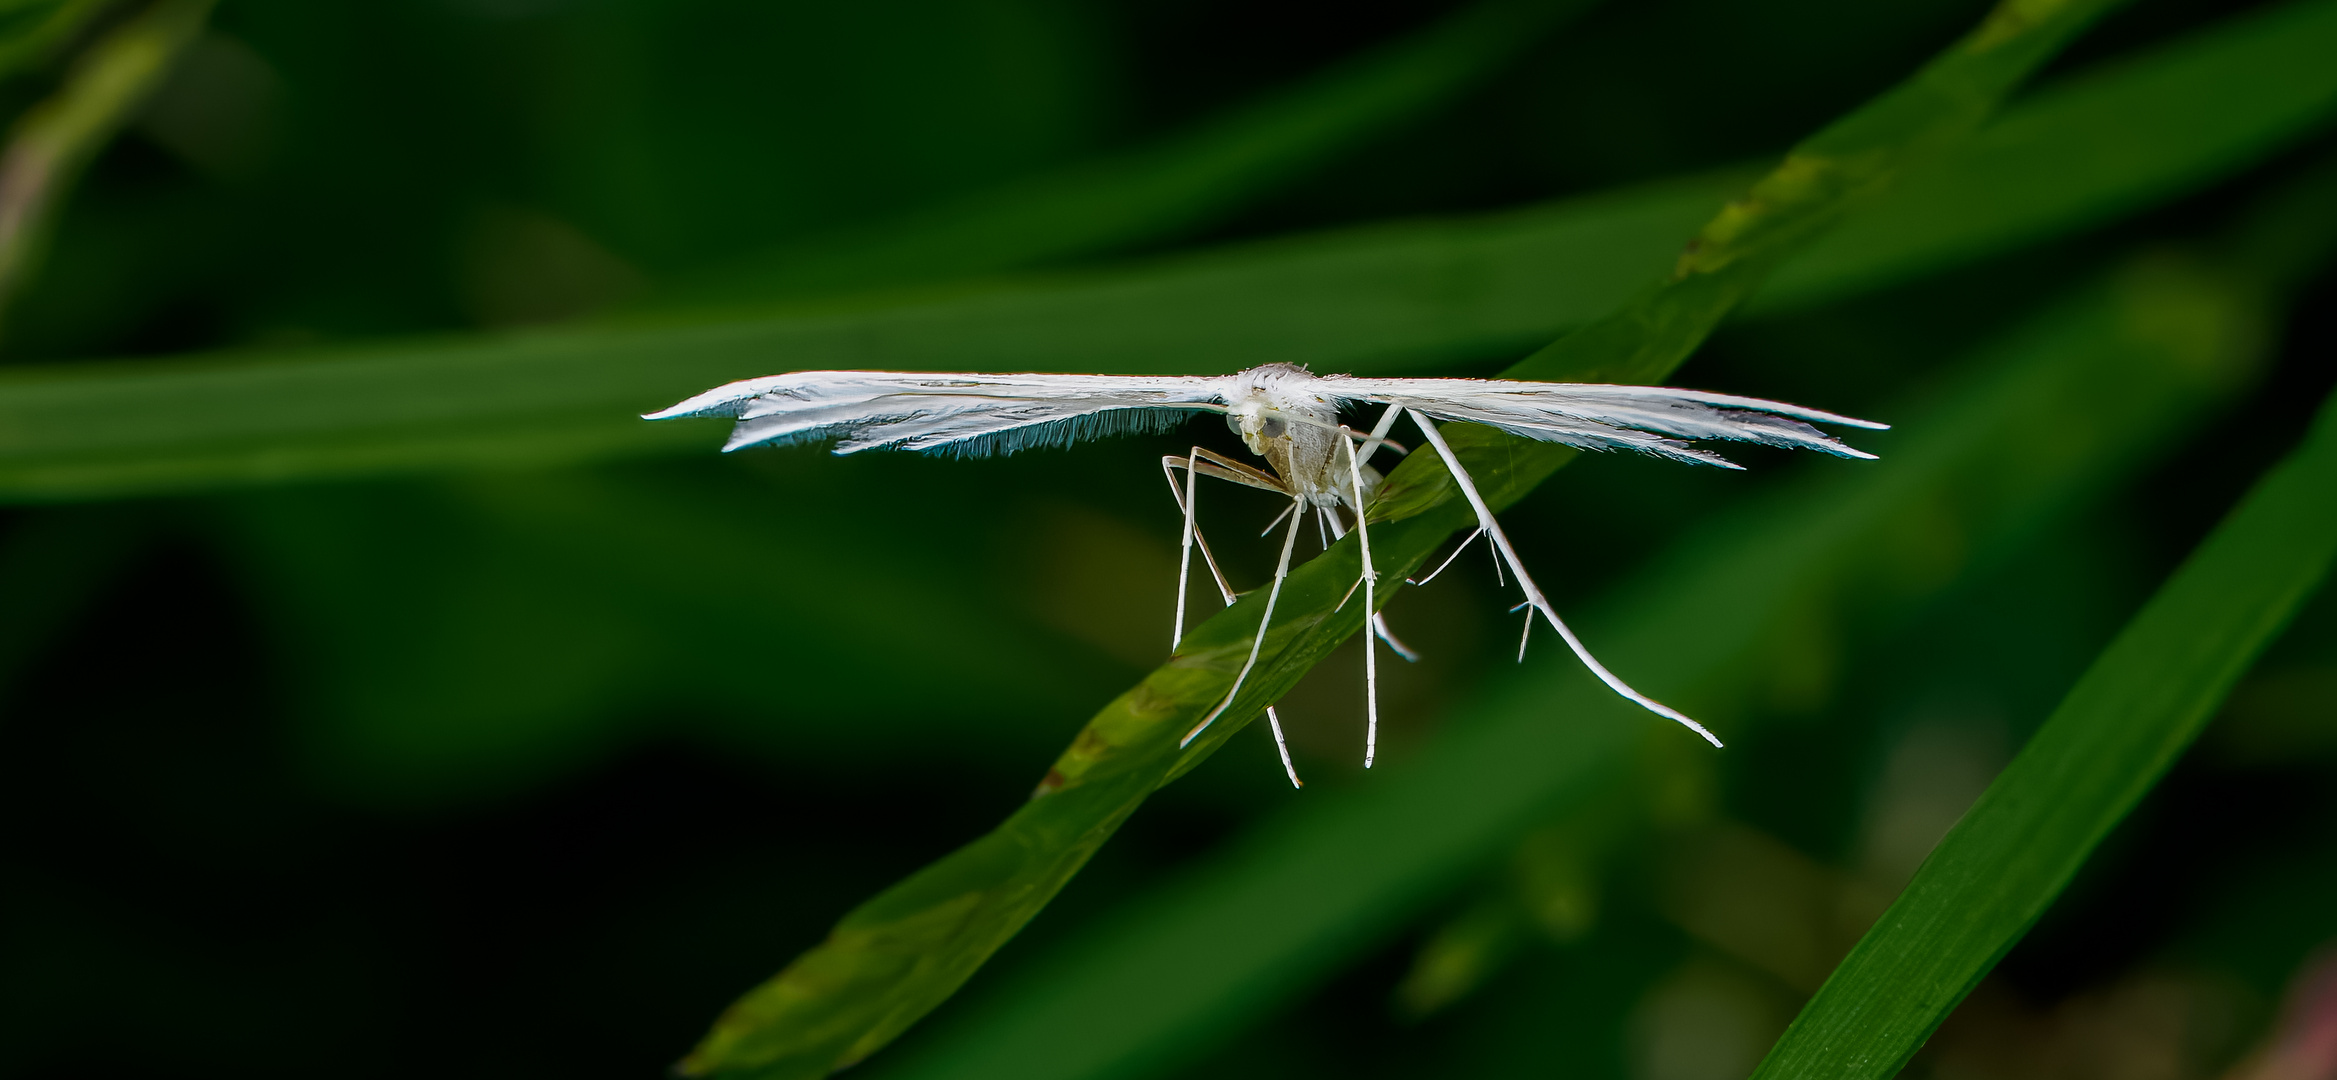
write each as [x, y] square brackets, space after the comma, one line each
[967, 414]
[1597, 416]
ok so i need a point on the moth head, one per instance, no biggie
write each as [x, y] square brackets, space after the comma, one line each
[1258, 423]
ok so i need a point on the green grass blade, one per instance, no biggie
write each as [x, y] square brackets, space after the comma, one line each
[1392, 298]
[897, 956]
[55, 139]
[31, 33]
[2131, 715]
[1355, 302]
[1818, 184]
[2125, 134]
[1161, 190]
[2141, 357]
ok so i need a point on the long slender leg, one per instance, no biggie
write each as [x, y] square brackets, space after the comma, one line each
[1370, 609]
[1187, 500]
[1379, 431]
[1192, 466]
[1534, 592]
[1274, 721]
[1379, 621]
[1169, 466]
[1379, 625]
[1281, 570]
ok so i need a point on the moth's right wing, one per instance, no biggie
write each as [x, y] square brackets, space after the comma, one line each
[1657, 420]
[966, 414]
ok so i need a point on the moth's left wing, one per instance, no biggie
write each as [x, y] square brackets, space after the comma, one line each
[1598, 416]
[967, 414]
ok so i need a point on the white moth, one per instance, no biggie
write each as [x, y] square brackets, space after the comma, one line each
[1289, 417]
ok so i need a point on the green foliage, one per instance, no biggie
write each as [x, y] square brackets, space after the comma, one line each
[898, 956]
[54, 140]
[1712, 623]
[1361, 302]
[1171, 187]
[385, 698]
[2123, 725]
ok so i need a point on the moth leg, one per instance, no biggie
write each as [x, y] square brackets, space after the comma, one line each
[1379, 620]
[1379, 433]
[1281, 571]
[1533, 592]
[1379, 625]
[1370, 607]
[1448, 560]
[1204, 463]
[1289, 770]
[1192, 534]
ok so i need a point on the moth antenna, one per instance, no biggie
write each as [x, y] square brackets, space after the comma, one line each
[1283, 748]
[1281, 571]
[1533, 592]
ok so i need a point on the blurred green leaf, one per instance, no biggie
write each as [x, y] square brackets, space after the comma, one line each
[897, 956]
[451, 640]
[2117, 732]
[30, 32]
[2083, 394]
[2122, 135]
[54, 140]
[1816, 186]
[1381, 299]
[1162, 190]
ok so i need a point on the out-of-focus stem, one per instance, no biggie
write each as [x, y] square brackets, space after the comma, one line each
[56, 139]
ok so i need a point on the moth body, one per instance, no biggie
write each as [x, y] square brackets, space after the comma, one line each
[1288, 416]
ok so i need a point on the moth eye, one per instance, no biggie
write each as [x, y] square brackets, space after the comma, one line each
[1233, 423]
[1273, 429]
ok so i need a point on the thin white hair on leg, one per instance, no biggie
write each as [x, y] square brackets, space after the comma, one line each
[1534, 593]
[1370, 609]
[1281, 571]
[1282, 746]
[1379, 625]
[1526, 634]
[1448, 560]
